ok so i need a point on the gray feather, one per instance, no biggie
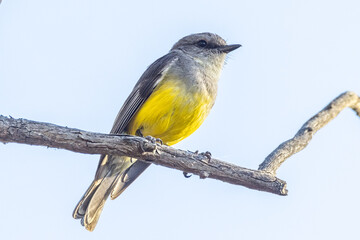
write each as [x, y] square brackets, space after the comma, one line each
[129, 176]
[113, 170]
[192, 62]
[142, 90]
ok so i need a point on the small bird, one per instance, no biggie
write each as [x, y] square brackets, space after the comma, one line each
[169, 102]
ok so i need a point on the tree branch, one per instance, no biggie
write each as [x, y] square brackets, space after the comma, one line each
[264, 179]
[50, 135]
[306, 132]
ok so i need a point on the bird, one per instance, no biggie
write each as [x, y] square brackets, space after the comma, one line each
[170, 101]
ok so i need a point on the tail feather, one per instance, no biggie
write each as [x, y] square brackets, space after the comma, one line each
[113, 177]
[125, 179]
[81, 207]
[90, 206]
[97, 202]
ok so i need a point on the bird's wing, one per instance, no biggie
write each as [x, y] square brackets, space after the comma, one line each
[142, 90]
[108, 176]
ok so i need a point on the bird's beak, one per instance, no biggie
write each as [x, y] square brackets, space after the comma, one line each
[229, 48]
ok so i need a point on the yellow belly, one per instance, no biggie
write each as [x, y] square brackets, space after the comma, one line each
[172, 112]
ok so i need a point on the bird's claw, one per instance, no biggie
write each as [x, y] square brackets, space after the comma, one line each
[206, 154]
[187, 175]
[154, 140]
[153, 148]
[146, 147]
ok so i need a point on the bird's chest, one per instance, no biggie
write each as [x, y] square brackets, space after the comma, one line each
[173, 111]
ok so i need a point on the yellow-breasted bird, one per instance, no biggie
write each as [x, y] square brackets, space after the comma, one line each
[170, 101]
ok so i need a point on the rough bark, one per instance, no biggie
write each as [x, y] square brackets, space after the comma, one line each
[50, 135]
[264, 179]
[302, 138]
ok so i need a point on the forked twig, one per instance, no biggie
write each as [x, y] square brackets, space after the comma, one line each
[264, 179]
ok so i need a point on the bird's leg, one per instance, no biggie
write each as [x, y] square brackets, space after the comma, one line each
[139, 133]
[142, 146]
[149, 138]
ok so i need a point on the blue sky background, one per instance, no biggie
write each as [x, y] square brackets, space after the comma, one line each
[73, 63]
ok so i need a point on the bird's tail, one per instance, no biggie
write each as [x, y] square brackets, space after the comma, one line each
[112, 180]
[91, 204]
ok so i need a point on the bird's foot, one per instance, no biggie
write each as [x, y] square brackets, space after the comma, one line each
[145, 148]
[206, 154]
[154, 140]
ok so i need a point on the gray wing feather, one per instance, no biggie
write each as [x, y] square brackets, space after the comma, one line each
[142, 90]
[108, 179]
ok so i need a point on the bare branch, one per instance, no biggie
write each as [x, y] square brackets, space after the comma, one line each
[50, 135]
[304, 135]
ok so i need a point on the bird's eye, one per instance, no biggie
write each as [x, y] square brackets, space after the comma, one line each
[202, 43]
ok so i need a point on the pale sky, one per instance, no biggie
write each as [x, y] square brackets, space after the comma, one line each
[74, 62]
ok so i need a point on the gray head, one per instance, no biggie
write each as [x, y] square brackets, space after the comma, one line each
[204, 45]
[206, 54]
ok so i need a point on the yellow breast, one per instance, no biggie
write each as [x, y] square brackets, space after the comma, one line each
[172, 112]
